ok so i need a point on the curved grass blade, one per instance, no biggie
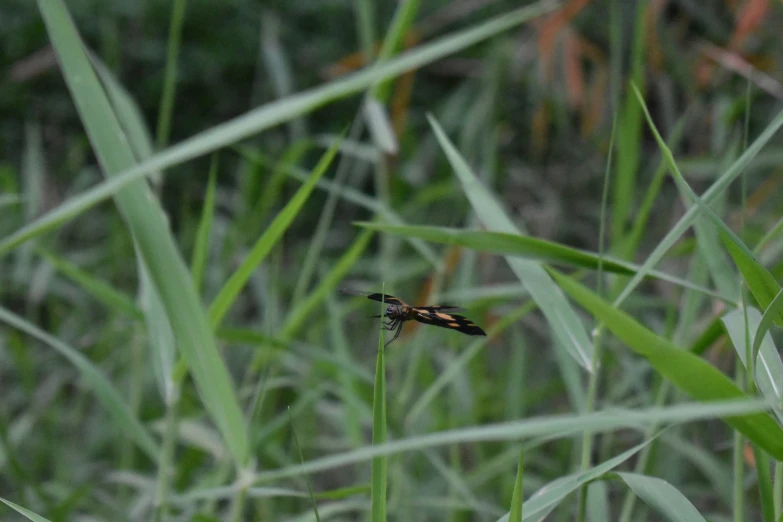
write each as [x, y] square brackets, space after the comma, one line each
[768, 366]
[663, 497]
[775, 309]
[565, 324]
[543, 501]
[104, 390]
[685, 370]
[274, 113]
[24, 512]
[545, 426]
[529, 247]
[150, 230]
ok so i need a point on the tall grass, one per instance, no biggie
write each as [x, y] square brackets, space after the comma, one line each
[178, 351]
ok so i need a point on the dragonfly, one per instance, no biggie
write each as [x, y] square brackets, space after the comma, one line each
[398, 312]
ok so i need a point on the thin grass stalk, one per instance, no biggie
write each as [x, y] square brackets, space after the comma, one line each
[592, 385]
[170, 75]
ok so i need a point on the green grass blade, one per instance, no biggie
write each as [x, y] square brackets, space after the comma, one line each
[401, 23]
[767, 366]
[515, 513]
[548, 497]
[231, 289]
[531, 248]
[598, 502]
[629, 142]
[99, 289]
[201, 245]
[159, 334]
[159, 331]
[274, 113]
[380, 462]
[565, 324]
[761, 283]
[24, 512]
[544, 426]
[104, 390]
[170, 76]
[663, 497]
[688, 372]
[150, 230]
[775, 309]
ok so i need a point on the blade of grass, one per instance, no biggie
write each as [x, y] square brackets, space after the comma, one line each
[401, 23]
[274, 113]
[544, 426]
[515, 513]
[160, 335]
[662, 496]
[231, 289]
[566, 325]
[688, 372]
[380, 462]
[531, 248]
[150, 230]
[170, 74]
[760, 281]
[550, 495]
[24, 512]
[629, 138]
[768, 367]
[201, 245]
[104, 391]
[775, 309]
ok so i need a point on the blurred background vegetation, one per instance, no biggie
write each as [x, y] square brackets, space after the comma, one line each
[542, 113]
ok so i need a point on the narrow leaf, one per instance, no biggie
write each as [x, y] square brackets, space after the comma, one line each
[663, 497]
[688, 372]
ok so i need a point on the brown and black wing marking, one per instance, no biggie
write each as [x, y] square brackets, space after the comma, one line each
[432, 315]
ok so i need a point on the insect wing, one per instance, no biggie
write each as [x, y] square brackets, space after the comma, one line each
[388, 299]
[450, 321]
[437, 308]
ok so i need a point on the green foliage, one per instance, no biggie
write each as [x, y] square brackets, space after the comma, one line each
[182, 204]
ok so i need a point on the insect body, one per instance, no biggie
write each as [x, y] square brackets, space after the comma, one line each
[398, 312]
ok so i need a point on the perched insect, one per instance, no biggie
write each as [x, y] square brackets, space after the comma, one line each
[398, 312]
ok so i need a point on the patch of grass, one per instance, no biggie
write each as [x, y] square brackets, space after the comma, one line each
[172, 343]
